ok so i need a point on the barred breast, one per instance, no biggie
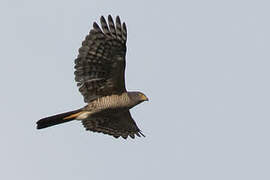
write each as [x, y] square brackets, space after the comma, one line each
[109, 103]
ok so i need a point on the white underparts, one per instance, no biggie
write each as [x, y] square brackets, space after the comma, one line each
[83, 115]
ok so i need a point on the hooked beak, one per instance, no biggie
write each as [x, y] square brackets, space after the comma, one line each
[144, 98]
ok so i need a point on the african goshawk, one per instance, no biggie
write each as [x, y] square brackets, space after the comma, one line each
[100, 75]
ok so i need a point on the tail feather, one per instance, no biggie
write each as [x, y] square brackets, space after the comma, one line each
[57, 119]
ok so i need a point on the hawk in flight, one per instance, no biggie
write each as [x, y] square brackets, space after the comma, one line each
[100, 76]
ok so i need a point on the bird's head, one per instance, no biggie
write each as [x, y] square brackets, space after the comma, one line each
[137, 97]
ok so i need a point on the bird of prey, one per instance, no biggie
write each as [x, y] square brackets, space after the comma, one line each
[100, 76]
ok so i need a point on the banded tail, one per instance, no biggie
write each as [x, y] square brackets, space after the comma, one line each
[58, 119]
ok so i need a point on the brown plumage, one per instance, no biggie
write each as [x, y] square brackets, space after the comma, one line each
[100, 75]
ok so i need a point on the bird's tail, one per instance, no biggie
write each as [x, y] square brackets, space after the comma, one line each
[58, 119]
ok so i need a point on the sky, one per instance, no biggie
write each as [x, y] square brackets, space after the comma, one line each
[203, 64]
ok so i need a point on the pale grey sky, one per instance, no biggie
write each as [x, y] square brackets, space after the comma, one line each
[203, 64]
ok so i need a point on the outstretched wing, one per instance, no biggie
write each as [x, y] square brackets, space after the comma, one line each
[100, 65]
[117, 124]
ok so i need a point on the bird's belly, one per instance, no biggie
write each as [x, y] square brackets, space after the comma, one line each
[108, 112]
[105, 106]
[103, 113]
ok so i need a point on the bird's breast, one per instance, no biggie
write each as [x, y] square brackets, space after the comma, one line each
[109, 104]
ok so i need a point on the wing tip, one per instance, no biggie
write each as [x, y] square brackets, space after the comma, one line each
[95, 25]
[103, 20]
[110, 17]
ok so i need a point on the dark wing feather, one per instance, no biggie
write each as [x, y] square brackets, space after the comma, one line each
[100, 65]
[117, 124]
